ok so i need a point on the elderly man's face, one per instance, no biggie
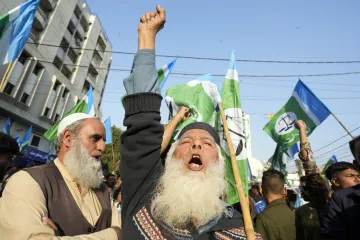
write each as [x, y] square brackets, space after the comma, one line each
[197, 149]
[92, 137]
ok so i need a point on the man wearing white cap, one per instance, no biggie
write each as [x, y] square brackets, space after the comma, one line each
[65, 199]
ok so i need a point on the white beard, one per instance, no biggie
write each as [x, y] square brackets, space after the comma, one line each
[85, 170]
[195, 197]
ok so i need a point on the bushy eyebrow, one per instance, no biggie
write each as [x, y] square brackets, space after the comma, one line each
[202, 137]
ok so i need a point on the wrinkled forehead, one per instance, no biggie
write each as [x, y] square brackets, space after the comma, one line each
[197, 133]
[93, 126]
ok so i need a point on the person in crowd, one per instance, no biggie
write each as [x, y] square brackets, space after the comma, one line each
[255, 193]
[67, 197]
[306, 217]
[341, 216]
[316, 186]
[110, 181]
[184, 198]
[277, 221]
[9, 149]
[342, 175]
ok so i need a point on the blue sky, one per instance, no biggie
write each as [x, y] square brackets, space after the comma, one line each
[259, 30]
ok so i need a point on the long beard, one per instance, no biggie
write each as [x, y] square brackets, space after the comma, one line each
[85, 170]
[193, 196]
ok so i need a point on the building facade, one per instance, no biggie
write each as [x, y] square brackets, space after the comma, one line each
[67, 52]
[256, 166]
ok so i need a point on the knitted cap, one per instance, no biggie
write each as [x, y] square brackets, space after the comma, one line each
[203, 126]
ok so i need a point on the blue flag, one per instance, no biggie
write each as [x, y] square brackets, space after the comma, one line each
[15, 28]
[6, 128]
[292, 151]
[107, 125]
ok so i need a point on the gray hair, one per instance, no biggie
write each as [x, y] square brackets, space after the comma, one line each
[74, 128]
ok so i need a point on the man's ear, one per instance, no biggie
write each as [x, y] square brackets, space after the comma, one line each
[67, 139]
[334, 182]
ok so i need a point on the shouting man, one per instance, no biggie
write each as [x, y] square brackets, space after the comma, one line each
[184, 199]
[66, 197]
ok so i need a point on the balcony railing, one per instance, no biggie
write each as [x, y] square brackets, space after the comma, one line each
[49, 4]
[92, 78]
[34, 36]
[40, 20]
[100, 50]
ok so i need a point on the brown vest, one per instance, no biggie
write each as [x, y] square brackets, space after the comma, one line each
[61, 206]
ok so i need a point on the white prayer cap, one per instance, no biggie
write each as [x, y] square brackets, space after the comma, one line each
[67, 121]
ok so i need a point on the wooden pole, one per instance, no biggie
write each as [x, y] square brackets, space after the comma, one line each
[342, 125]
[5, 75]
[249, 229]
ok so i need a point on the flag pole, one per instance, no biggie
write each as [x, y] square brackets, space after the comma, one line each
[342, 125]
[249, 229]
[5, 75]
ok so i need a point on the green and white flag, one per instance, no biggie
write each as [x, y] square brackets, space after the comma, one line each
[201, 96]
[86, 105]
[332, 160]
[302, 105]
[230, 95]
[164, 72]
[25, 141]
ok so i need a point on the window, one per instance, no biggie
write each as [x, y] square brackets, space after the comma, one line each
[46, 112]
[58, 63]
[56, 86]
[9, 88]
[66, 72]
[37, 69]
[71, 27]
[23, 57]
[65, 93]
[24, 98]
[72, 55]
[64, 44]
[56, 117]
[77, 12]
[35, 141]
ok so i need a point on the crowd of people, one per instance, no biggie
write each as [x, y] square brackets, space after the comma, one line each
[164, 190]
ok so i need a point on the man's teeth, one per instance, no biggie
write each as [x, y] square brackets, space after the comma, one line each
[195, 165]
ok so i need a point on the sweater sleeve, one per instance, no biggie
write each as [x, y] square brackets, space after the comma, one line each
[143, 76]
[140, 149]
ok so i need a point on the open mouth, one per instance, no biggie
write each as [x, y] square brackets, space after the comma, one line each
[97, 158]
[195, 163]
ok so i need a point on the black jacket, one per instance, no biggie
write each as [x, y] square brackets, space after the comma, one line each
[342, 216]
[140, 169]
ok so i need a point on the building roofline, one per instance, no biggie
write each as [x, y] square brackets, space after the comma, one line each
[94, 14]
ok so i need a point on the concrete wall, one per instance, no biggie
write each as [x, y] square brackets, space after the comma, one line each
[40, 86]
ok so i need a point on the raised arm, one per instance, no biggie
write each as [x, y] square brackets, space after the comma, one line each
[306, 154]
[180, 116]
[141, 142]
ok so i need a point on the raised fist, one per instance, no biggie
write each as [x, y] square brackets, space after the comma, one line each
[183, 113]
[152, 22]
[300, 124]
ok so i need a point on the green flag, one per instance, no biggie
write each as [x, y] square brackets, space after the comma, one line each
[332, 160]
[86, 105]
[302, 105]
[201, 96]
[230, 95]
